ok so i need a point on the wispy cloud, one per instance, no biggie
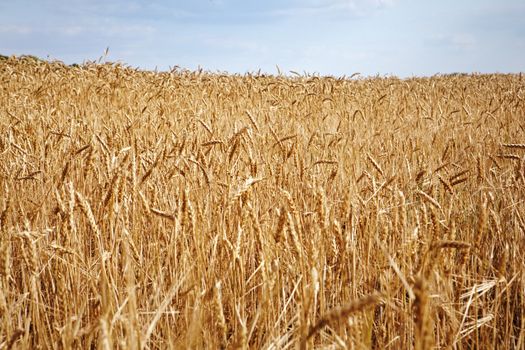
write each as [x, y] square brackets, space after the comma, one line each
[463, 41]
[103, 29]
[327, 36]
[15, 29]
[96, 7]
[460, 41]
[234, 44]
[339, 8]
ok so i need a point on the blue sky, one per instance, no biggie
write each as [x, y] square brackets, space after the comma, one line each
[329, 37]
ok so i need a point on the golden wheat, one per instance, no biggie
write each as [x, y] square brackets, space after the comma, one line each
[190, 209]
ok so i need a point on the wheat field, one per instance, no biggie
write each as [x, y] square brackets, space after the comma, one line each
[190, 209]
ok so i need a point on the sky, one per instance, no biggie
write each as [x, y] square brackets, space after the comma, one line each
[327, 37]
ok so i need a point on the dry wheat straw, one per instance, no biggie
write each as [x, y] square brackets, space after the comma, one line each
[449, 244]
[375, 164]
[509, 156]
[514, 145]
[343, 312]
[212, 143]
[252, 120]
[446, 184]
[263, 263]
[221, 319]
[429, 199]
[422, 321]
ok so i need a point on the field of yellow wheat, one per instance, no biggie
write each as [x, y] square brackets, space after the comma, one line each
[188, 209]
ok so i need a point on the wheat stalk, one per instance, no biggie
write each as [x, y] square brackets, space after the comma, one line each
[343, 312]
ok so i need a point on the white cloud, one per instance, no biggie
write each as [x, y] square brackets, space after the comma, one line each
[352, 6]
[105, 28]
[15, 29]
[235, 44]
[340, 9]
[461, 41]
[105, 7]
